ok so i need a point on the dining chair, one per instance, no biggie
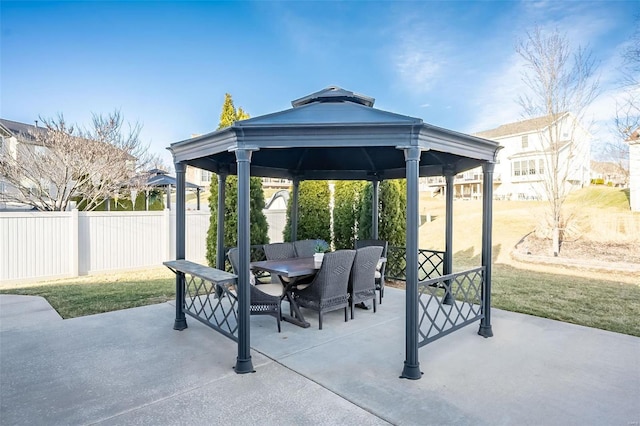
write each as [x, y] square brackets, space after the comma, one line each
[265, 299]
[362, 284]
[382, 266]
[279, 251]
[305, 248]
[329, 289]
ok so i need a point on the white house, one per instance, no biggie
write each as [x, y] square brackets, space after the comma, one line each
[522, 171]
[634, 170]
[15, 137]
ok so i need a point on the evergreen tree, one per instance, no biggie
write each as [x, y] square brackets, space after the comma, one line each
[392, 210]
[229, 115]
[346, 207]
[314, 218]
[365, 212]
[258, 221]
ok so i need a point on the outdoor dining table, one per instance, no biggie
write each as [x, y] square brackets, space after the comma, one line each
[293, 269]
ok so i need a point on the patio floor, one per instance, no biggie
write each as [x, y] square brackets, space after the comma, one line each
[131, 367]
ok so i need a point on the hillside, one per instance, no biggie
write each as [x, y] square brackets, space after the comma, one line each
[604, 229]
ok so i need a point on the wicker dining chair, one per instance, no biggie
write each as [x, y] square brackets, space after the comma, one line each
[362, 284]
[265, 298]
[382, 266]
[328, 291]
[305, 248]
[279, 251]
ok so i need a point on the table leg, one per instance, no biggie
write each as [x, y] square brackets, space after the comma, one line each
[297, 318]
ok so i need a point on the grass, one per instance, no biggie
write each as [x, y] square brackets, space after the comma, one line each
[600, 300]
[590, 298]
[97, 294]
[598, 303]
[593, 302]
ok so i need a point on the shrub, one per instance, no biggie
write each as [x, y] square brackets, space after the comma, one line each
[314, 217]
[258, 222]
[346, 208]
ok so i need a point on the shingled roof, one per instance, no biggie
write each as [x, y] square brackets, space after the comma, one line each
[524, 126]
[25, 131]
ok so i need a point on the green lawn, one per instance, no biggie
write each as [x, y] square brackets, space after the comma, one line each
[598, 303]
[595, 299]
[94, 295]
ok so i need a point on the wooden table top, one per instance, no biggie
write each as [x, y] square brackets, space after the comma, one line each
[291, 268]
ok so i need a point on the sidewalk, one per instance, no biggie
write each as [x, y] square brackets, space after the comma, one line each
[131, 367]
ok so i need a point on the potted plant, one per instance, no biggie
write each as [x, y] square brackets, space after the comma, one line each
[320, 248]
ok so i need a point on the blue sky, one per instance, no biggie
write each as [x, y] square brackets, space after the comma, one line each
[169, 64]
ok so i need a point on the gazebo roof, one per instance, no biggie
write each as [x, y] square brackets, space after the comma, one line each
[162, 179]
[334, 134]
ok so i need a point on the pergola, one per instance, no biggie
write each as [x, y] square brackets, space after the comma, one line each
[337, 134]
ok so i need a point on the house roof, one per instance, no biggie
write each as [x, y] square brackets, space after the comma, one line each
[334, 134]
[25, 131]
[518, 127]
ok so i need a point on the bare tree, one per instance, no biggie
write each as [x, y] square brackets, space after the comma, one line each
[627, 113]
[59, 163]
[627, 118]
[561, 85]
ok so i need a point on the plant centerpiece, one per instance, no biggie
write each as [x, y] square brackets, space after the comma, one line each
[320, 248]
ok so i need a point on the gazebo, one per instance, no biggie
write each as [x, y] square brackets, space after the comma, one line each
[161, 179]
[337, 134]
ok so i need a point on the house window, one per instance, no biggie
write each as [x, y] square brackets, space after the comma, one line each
[516, 168]
[525, 141]
[541, 166]
[205, 176]
[532, 167]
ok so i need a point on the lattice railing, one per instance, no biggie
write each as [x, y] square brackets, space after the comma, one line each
[214, 305]
[438, 319]
[429, 263]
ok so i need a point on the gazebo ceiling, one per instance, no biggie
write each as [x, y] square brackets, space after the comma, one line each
[334, 134]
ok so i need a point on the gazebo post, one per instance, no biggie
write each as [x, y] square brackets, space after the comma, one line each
[447, 267]
[220, 249]
[411, 364]
[375, 203]
[243, 361]
[487, 220]
[181, 321]
[294, 209]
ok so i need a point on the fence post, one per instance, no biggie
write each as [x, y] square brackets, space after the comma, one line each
[74, 252]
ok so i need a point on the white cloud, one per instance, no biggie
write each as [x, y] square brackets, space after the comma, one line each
[418, 58]
[418, 68]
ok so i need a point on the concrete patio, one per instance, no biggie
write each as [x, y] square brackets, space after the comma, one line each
[130, 367]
